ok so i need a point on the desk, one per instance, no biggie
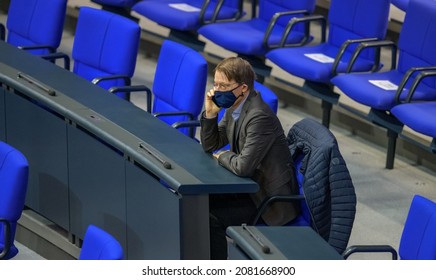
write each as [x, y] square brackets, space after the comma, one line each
[87, 166]
[285, 243]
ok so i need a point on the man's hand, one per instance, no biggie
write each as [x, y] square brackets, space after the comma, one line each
[217, 154]
[211, 108]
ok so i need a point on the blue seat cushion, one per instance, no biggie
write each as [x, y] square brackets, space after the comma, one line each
[160, 12]
[247, 36]
[357, 87]
[295, 62]
[419, 116]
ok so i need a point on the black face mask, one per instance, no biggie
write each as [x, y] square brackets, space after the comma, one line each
[225, 99]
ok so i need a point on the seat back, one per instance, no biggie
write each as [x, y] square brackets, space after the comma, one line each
[179, 83]
[355, 19]
[267, 9]
[100, 245]
[418, 240]
[105, 44]
[417, 41]
[36, 22]
[326, 181]
[14, 172]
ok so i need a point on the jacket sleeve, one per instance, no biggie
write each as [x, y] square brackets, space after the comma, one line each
[343, 202]
[260, 135]
[212, 135]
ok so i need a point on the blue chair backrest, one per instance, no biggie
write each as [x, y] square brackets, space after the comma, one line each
[267, 9]
[14, 172]
[105, 44]
[180, 82]
[100, 245]
[418, 240]
[354, 19]
[36, 22]
[417, 41]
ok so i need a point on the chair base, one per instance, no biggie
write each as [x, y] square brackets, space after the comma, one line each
[326, 94]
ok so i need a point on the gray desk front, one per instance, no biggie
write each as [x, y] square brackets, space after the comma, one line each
[284, 243]
[86, 164]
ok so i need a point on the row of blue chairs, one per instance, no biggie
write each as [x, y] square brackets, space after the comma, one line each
[281, 33]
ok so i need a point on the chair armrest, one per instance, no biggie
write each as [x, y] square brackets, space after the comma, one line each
[374, 44]
[191, 124]
[7, 238]
[273, 22]
[178, 113]
[424, 73]
[59, 55]
[112, 77]
[307, 19]
[38, 47]
[370, 249]
[270, 200]
[2, 32]
[135, 88]
[344, 47]
[216, 11]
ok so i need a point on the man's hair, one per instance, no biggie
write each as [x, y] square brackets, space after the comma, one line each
[238, 69]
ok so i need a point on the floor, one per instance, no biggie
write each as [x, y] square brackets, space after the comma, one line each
[383, 195]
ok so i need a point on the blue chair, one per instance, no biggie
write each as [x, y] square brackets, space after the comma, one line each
[100, 245]
[35, 25]
[105, 48]
[418, 240]
[179, 85]
[184, 17]
[14, 172]
[350, 22]
[252, 38]
[326, 191]
[382, 90]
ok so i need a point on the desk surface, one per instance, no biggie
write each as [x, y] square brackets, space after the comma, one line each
[122, 124]
[291, 243]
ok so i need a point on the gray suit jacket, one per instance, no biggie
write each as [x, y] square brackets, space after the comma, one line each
[258, 149]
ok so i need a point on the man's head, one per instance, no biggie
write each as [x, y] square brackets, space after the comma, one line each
[234, 78]
[237, 70]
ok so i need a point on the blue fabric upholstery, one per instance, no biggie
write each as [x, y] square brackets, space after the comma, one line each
[418, 240]
[416, 49]
[14, 172]
[401, 4]
[348, 19]
[246, 37]
[36, 23]
[116, 3]
[179, 83]
[160, 12]
[105, 44]
[419, 116]
[100, 245]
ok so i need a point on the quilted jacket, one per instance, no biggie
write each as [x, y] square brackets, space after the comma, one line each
[327, 184]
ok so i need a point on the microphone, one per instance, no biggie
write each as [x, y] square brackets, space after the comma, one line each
[264, 247]
[154, 154]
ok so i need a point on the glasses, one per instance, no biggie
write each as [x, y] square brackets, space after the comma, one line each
[222, 86]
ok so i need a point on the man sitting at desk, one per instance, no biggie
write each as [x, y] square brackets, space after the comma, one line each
[258, 149]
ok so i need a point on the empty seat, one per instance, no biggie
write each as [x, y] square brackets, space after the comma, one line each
[98, 244]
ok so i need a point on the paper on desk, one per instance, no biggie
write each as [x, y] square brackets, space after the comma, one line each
[320, 57]
[384, 84]
[184, 7]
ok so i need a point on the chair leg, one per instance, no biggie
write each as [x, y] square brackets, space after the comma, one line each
[392, 143]
[326, 112]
